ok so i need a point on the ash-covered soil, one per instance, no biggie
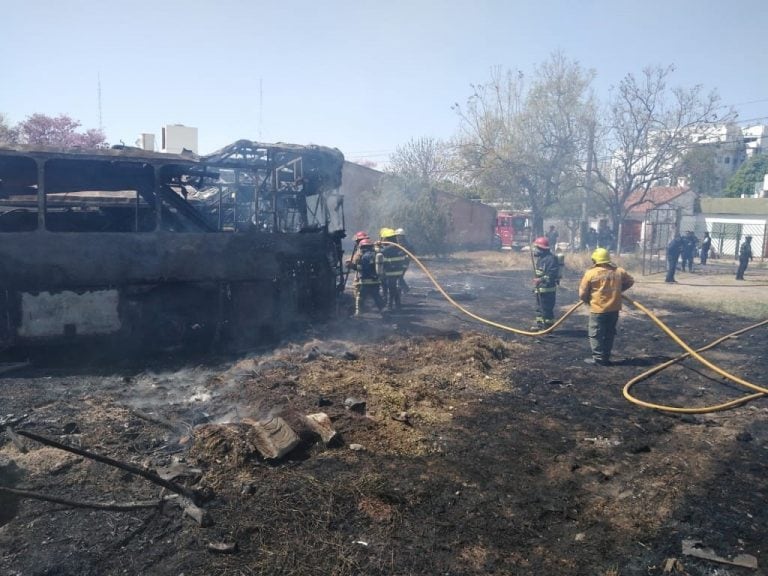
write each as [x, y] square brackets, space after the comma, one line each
[477, 451]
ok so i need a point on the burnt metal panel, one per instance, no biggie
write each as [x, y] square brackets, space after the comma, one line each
[190, 278]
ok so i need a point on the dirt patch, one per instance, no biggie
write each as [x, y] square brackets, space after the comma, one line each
[478, 451]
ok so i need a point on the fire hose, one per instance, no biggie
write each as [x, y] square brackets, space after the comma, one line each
[689, 352]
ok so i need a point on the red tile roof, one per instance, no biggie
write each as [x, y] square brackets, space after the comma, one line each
[655, 197]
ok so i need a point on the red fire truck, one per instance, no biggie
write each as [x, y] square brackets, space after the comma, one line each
[513, 229]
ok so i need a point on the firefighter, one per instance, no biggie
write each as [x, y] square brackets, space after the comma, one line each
[394, 263]
[547, 272]
[366, 280]
[358, 237]
[601, 288]
[400, 233]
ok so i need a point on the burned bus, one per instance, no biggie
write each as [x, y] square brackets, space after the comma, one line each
[149, 250]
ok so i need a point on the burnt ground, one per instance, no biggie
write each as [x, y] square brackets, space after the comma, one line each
[479, 452]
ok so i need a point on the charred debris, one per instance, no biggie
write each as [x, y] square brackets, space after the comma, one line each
[150, 250]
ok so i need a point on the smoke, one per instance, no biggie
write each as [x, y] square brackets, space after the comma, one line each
[199, 395]
[407, 204]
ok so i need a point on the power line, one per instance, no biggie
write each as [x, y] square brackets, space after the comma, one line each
[750, 102]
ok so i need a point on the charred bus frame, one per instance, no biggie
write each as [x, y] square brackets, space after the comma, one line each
[158, 250]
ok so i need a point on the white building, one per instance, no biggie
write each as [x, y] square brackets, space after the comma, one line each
[755, 139]
[176, 138]
[146, 141]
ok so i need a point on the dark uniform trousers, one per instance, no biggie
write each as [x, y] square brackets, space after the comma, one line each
[602, 331]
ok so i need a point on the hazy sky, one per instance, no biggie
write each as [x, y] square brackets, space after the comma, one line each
[364, 76]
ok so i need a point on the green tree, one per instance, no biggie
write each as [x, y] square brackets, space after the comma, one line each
[569, 210]
[643, 136]
[699, 166]
[524, 144]
[747, 177]
[425, 220]
[411, 205]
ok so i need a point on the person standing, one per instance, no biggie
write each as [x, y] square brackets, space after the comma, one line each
[366, 280]
[706, 245]
[547, 276]
[394, 265]
[358, 237]
[552, 236]
[674, 248]
[601, 287]
[745, 255]
[401, 239]
[689, 250]
[592, 239]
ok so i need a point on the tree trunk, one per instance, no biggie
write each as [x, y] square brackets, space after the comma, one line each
[616, 227]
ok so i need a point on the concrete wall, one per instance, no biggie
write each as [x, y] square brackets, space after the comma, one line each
[472, 222]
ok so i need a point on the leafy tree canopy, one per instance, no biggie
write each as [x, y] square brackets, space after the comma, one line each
[60, 131]
[699, 164]
[408, 204]
[523, 142]
[749, 174]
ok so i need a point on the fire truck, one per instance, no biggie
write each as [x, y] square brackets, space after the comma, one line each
[512, 230]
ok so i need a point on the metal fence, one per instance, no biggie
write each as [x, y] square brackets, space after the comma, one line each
[661, 224]
[727, 238]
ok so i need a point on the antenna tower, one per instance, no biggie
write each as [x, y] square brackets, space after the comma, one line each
[261, 106]
[98, 88]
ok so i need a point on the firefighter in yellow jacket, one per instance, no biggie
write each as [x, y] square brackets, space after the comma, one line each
[393, 264]
[601, 288]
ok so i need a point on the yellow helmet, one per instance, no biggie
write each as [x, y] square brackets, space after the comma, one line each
[601, 256]
[387, 233]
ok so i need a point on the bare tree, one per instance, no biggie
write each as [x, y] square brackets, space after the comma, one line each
[644, 134]
[422, 159]
[525, 144]
[8, 133]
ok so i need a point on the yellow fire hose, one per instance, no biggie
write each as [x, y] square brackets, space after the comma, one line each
[475, 316]
[759, 390]
[694, 354]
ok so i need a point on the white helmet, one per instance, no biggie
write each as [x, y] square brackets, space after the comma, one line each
[399, 232]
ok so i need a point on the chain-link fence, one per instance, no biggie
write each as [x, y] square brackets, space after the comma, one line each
[661, 224]
[727, 238]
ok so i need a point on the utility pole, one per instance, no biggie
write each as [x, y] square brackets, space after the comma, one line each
[587, 189]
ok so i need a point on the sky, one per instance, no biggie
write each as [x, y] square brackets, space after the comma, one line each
[364, 76]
